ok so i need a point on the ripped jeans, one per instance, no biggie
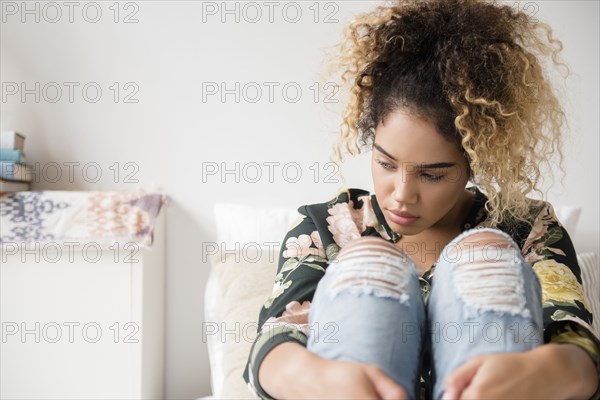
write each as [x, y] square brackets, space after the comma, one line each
[485, 298]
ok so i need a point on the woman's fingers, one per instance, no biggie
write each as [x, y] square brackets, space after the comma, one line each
[459, 379]
[385, 386]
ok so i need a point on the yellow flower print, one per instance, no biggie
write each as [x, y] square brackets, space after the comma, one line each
[559, 283]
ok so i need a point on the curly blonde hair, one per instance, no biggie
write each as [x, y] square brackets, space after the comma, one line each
[474, 69]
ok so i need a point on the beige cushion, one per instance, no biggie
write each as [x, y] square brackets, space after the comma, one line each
[245, 227]
[244, 284]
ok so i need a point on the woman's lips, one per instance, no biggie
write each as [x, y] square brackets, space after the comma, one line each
[401, 217]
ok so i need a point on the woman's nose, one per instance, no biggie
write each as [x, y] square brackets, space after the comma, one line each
[406, 189]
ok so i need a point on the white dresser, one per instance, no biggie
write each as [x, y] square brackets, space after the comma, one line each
[78, 323]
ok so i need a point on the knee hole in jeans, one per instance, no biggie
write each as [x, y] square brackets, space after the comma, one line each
[487, 273]
[370, 265]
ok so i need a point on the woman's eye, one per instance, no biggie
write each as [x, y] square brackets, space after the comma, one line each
[385, 165]
[427, 177]
[432, 178]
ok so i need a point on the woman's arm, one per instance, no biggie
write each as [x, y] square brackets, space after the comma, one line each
[279, 377]
[567, 316]
[582, 381]
[290, 371]
[550, 371]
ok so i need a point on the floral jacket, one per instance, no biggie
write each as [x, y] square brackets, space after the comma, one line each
[321, 230]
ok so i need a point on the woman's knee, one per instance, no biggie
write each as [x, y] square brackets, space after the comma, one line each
[374, 266]
[487, 271]
[370, 244]
[488, 241]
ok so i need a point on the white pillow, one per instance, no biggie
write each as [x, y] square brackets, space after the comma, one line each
[242, 224]
[568, 217]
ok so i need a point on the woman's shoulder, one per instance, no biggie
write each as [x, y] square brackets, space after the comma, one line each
[547, 237]
[539, 220]
[537, 209]
[540, 226]
[346, 198]
[540, 212]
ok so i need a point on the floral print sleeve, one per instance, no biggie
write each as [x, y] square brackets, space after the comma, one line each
[310, 244]
[567, 316]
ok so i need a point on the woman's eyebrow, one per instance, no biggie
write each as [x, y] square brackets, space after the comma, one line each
[420, 166]
[378, 147]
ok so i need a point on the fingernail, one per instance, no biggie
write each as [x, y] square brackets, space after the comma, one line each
[448, 395]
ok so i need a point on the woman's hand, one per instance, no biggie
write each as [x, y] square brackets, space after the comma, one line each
[352, 380]
[290, 371]
[548, 372]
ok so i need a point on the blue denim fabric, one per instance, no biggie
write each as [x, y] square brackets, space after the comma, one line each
[461, 319]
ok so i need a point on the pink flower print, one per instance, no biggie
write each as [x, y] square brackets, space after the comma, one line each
[295, 316]
[296, 312]
[368, 215]
[370, 219]
[344, 222]
[532, 245]
[301, 246]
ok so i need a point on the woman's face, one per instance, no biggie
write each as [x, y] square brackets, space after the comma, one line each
[417, 171]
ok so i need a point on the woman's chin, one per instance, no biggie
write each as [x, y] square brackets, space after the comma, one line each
[405, 230]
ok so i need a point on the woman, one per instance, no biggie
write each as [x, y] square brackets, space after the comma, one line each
[444, 92]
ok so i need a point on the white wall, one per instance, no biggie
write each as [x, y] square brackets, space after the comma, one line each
[171, 133]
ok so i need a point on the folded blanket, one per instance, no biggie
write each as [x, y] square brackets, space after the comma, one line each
[106, 218]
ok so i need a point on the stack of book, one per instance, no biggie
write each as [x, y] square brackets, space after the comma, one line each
[15, 174]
